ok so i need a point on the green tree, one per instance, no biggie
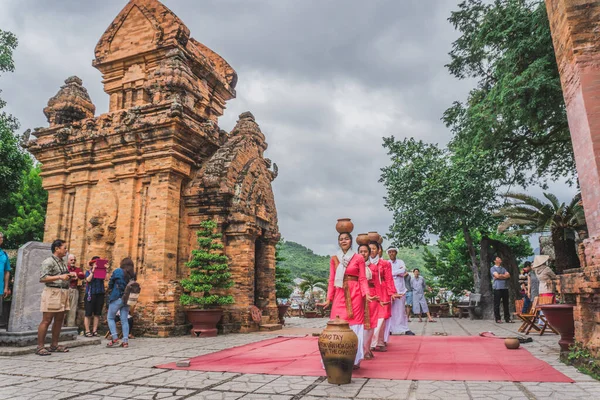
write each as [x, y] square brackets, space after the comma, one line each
[516, 109]
[433, 191]
[527, 214]
[30, 204]
[309, 284]
[14, 160]
[451, 264]
[283, 276]
[209, 270]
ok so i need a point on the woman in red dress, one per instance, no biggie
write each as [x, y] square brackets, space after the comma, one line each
[386, 290]
[347, 290]
[371, 307]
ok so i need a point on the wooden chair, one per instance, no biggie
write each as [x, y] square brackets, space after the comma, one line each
[542, 318]
[524, 317]
[529, 318]
[518, 308]
[474, 299]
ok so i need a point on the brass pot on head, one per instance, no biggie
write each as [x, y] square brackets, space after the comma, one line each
[362, 238]
[338, 345]
[344, 225]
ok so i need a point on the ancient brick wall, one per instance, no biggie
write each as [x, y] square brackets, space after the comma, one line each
[136, 181]
[575, 25]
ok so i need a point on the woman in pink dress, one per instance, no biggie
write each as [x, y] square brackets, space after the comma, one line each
[347, 290]
[386, 290]
[371, 307]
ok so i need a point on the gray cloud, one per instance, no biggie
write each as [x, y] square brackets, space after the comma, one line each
[326, 81]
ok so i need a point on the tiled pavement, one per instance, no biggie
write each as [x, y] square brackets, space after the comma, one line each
[97, 372]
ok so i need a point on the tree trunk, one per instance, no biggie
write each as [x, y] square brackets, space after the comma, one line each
[561, 253]
[510, 263]
[485, 288]
[572, 254]
[473, 256]
[490, 248]
[565, 251]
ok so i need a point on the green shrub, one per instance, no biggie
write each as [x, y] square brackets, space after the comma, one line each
[209, 270]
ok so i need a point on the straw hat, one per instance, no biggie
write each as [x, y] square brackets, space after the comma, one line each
[538, 261]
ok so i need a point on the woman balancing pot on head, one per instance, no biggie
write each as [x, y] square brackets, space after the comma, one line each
[348, 287]
[386, 291]
[371, 307]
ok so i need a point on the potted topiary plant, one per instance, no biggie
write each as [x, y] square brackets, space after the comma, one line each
[209, 271]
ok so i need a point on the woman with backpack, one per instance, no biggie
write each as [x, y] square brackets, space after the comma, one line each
[117, 284]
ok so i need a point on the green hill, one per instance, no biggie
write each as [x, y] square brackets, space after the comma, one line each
[302, 260]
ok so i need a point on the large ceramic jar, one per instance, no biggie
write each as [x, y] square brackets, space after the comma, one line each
[344, 225]
[362, 238]
[338, 345]
[373, 236]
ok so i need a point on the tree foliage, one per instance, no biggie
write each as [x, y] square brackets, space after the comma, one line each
[14, 161]
[526, 214]
[517, 108]
[451, 264]
[283, 276]
[29, 204]
[432, 191]
[209, 270]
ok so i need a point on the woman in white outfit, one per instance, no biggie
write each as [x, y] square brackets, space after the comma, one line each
[399, 319]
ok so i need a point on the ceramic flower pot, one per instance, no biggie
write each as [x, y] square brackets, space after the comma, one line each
[338, 345]
[204, 322]
[362, 238]
[344, 225]
[560, 317]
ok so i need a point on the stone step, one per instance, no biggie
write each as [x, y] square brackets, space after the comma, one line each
[270, 327]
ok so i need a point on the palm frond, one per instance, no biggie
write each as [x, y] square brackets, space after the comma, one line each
[526, 199]
[553, 200]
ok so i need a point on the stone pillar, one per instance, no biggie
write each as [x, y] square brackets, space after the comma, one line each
[240, 249]
[575, 25]
[265, 270]
[160, 294]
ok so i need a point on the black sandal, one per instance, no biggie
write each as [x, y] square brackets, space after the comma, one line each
[88, 334]
[95, 333]
[58, 349]
[42, 351]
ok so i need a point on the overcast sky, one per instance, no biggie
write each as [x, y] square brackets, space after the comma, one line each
[326, 80]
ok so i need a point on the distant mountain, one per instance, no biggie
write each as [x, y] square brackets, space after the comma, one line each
[302, 260]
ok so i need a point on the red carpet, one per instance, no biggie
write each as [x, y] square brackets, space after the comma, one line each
[408, 357]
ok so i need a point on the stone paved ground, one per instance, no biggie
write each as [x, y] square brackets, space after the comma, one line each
[97, 372]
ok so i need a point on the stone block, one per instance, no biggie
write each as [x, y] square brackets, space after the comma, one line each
[25, 314]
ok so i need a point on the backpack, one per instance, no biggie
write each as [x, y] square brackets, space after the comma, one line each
[131, 293]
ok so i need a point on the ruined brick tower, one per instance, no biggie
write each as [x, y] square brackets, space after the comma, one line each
[138, 180]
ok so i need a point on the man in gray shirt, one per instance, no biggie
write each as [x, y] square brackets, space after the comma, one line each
[500, 285]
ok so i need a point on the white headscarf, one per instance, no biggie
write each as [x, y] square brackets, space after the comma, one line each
[368, 271]
[341, 268]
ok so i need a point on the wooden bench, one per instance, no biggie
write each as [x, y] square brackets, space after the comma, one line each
[471, 307]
